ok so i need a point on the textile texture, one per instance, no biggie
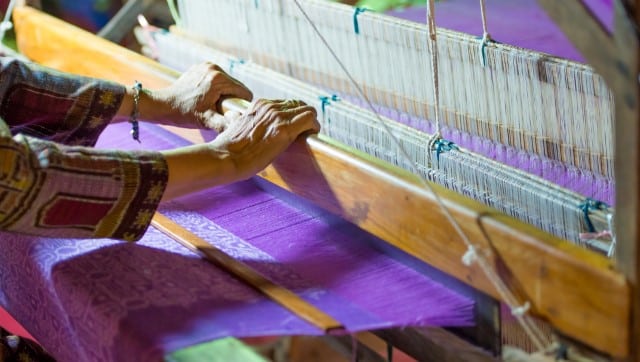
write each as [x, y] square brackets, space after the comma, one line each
[53, 184]
[107, 300]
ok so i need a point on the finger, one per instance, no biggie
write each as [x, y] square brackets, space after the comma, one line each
[235, 89]
[303, 120]
[262, 106]
[230, 87]
[292, 103]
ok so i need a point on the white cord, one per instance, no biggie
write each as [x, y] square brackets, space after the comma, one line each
[6, 22]
[483, 13]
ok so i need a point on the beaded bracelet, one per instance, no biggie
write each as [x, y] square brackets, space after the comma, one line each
[133, 119]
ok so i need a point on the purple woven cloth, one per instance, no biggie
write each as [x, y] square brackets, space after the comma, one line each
[103, 300]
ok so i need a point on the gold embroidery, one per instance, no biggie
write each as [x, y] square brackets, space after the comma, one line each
[158, 167]
[131, 175]
[129, 236]
[107, 99]
[95, 122]
[142, 219]
[155, 192]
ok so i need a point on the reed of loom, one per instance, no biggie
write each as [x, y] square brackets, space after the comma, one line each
[522, 99]
[512, 239]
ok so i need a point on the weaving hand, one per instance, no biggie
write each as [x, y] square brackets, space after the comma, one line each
[247, 145]
[192, 101]
[256, 138]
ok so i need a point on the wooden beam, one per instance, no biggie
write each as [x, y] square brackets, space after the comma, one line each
[345, 346]
[619, 63]
[434, 344]
[585, 31]
[573, 288]
[486, 331]
[624, 83]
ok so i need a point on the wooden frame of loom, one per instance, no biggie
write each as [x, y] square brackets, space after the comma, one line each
[577, 291]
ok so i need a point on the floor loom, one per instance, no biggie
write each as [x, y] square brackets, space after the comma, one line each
[561, 292]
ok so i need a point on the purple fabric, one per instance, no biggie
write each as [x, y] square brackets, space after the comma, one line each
[102, 300]
[106, 300]
[515, 22]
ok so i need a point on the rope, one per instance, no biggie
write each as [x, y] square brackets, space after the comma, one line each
[174, 12]
[612, 247]
[6, 22]
[518, 310]
[486, 37]
[483, 13]
[433, 47]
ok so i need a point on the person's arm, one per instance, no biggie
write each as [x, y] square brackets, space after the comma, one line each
[192, 101]
[59, 107]
[58, 190]
[54, 190]
[74, 110]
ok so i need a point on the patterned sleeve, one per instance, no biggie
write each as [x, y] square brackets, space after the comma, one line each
[54, 106]
[70, 190]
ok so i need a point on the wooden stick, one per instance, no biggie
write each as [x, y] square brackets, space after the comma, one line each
[574, 289]
[219, 258]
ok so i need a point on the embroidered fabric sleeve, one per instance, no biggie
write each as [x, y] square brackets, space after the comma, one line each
[54, 106]
[54, 190]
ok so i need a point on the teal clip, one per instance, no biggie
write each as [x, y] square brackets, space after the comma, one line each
[483, 48]
[589, 205]
[233, 63]
[326, 100]
[442, 145]
[357, 11]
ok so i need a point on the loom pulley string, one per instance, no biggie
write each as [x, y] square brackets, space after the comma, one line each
[173, 10]
[433, 48]
[6, 24]
[486, 37]
[473, 254]
[483, 13]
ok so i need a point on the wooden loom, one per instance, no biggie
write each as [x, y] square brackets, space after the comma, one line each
[572, 288]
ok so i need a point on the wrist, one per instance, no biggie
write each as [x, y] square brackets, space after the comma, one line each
[146, 105]
[197, 167]
[126, 106]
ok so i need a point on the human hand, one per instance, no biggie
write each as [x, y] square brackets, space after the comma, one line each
[253, 140]
[192, 100]
[247, 145]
